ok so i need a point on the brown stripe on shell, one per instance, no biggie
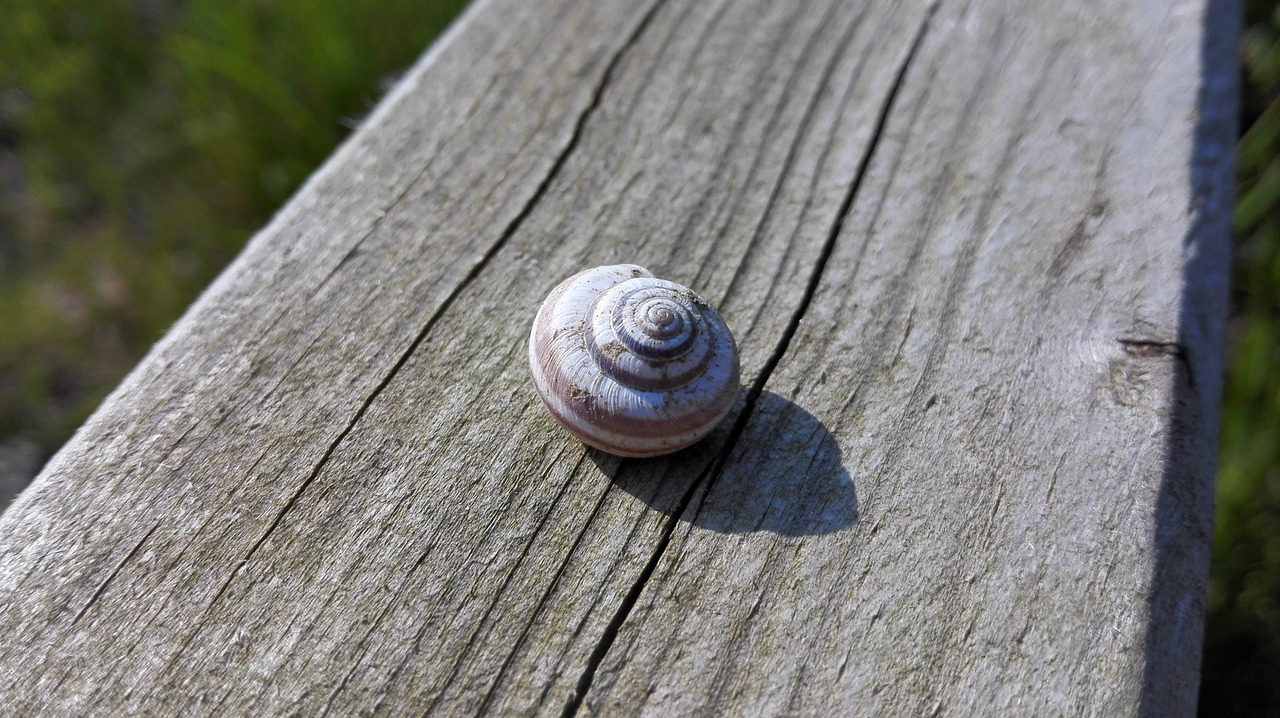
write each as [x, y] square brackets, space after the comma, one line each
[679, 420]
[689, 414]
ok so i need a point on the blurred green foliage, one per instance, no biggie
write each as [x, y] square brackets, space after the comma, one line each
[1241, 674]
[141, 143]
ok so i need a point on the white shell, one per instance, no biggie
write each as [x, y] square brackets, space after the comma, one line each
[632, 364]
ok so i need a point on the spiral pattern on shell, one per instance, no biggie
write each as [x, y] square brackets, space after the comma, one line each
[632, 364]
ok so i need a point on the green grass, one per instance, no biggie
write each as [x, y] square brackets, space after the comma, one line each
[142, 143]
[1242, 641]
[140, 146]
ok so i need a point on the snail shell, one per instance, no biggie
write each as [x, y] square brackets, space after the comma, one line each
[632, 364]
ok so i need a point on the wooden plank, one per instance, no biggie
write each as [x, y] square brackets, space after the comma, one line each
[1007, 380]
[978, 291]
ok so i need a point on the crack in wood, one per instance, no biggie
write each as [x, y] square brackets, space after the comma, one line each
[1146, 349]
[610, 634]
[400, 197]
[546, 594]
[793, 150]
[718, 177]
[967, 252]
[1089, 225]
[842, 104]
[480, 264]
[377, 623]
[1151, 349]
[103, 587]
[484, 623]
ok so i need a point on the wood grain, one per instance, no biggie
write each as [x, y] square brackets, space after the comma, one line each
[974, 257]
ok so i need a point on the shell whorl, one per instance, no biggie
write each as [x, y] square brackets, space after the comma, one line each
[632, 364]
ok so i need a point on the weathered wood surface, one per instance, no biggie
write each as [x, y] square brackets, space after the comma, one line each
[974, 255]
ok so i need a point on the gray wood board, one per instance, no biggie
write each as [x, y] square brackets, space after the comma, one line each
[974, 256]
